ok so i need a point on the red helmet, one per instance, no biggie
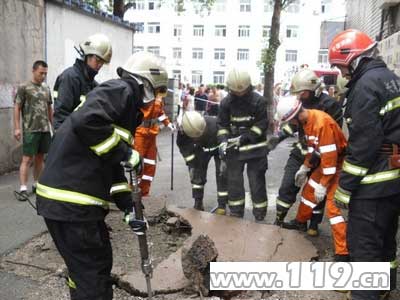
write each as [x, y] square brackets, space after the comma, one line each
[348, 45]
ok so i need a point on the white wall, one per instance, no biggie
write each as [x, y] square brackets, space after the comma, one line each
[67, 27]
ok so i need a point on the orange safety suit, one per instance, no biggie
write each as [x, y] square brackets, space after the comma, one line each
[145, 140]
[324, 136]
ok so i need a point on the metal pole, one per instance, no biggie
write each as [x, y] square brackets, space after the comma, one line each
[172, 160]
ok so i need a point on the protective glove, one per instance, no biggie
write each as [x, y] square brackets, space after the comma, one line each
[222, 150]
[342, 198]
[273, 141]
[319, 192]
[301, 175]
[172, 127]
[133, 161]
[138, 226]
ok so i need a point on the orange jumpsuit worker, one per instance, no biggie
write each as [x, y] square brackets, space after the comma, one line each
[324, 137]
[145, 139]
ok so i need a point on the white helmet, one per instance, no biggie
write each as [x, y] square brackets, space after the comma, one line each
[238, 80]
[305, 80]
[287, 108]
[193, 124]
[99, 45]
[148, 66]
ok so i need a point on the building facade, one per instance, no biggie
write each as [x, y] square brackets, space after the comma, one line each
[201, 47]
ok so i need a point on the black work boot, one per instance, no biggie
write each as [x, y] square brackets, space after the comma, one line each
[341, 258]
[198, 204]
[295, 225]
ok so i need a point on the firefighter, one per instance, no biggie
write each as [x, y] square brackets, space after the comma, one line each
[197, 142]
[369, 184]
[307, 86]
[242, 125]
[324, 137]
[145, 138]
[75, 82]
[83, 173]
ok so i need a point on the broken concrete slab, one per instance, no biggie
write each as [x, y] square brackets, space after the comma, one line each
[235, 239]
[196, 258]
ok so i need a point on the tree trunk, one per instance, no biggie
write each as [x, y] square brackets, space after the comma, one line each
[269, 63]
[119, 8]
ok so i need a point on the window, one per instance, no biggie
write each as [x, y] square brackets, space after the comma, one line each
[292, 31]
[220, 30]
[266, 31]
[176, 74]
[154, 49]
[219, 5]
[219, 54]
[291, 55]
[323, 8]
[197, 53]
[323, 56]
[245, 5]
[177, 30]
[153, 27]
[268, 5]
[244, 31]
[177, 53]
[154, 4]
[139, 27]
[138, 49]
[243, 54]
[198, 30]
[294, 7]
[138, 4]
[219, 77]
[197, 78]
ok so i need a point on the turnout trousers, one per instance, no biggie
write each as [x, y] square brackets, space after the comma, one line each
[86, 250]
[309, 207]
[198, 177]
[371, 236]
[256, 169]
[146, 145]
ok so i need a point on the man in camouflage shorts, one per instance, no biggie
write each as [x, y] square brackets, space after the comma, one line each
[33, 101]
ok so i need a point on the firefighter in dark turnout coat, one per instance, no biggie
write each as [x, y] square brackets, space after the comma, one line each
[242, 125]
[369, 184]
[307, 84]
[197, 142]
[83, 174]
[73, 84]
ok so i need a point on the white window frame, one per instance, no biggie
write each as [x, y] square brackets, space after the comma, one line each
[323, 56]
[245, 6]
[138, 49]
[197, 53]
[139, 5]
[177, 30]
[268, 5]
[154, 49]
[292, 31]
[177, 74]
[220, 5]
[218, 77]
[266, 31]
[244, 31]
[197, 77]
[156, 4]
[198, 30]
[153, 27]
[177, 53]
[136, 27]
[243, 54]
[291, 55]
[220, 30]
[219, 54]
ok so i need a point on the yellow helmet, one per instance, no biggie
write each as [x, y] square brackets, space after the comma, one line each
[99, 45]
[238, 80]
[305, 80]
[193, 124]
[148, 66]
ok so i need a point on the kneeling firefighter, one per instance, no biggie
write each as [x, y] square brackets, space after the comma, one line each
[242, 126]
[197, 142]
[83, 174]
